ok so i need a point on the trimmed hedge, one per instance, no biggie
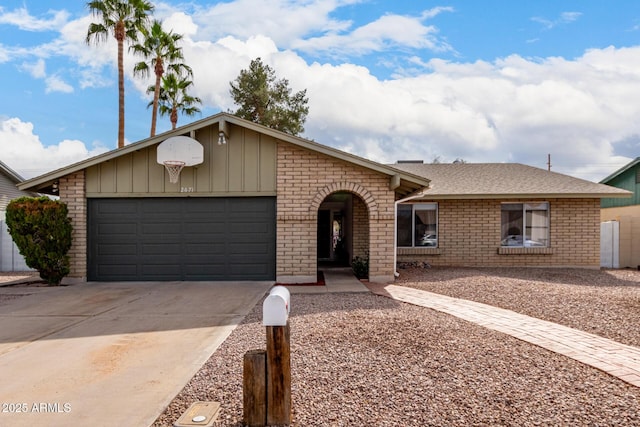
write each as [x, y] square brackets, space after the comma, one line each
[41, 229]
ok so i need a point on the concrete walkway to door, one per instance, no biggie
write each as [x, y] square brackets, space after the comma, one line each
[110, 354]
[336, 280]
[619, 360]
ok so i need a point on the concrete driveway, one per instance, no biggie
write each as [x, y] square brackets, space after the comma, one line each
[110, 354]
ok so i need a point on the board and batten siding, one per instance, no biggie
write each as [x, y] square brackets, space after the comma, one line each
[628, 180]
[245, 166]
[9, 191]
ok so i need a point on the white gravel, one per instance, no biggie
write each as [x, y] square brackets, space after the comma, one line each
[361, 359]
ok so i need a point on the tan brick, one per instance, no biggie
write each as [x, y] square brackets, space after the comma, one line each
[316, 177]
[469, 230]
[72, 193]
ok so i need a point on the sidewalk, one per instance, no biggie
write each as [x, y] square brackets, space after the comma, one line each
[616, 359]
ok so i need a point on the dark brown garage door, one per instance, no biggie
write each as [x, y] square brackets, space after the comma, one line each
[181, 239]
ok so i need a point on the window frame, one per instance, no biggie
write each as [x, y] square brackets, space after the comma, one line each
[528, 207]
[418, 206]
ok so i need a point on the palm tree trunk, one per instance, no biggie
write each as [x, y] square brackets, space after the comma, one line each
[174, 118]
[154, 107]
[120, 39]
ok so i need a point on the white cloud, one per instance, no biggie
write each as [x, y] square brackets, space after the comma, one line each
[305, 25]
[56, 84]
[4, 54]
[37, 69]
[23, 151]
[180, 23]
[514, 109]
[564, 18]
[582, 111]
[281, 20]
[510, 110]
[386, 32]
[53, 83]
[25, 21]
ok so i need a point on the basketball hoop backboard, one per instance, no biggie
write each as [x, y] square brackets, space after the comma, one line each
[180, 149]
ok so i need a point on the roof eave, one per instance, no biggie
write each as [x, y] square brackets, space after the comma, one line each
[11, 173]
[46, 180]
[621, 170]
[512, 196]
[49, 177]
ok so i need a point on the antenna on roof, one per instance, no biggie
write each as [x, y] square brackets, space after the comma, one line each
[548, 162]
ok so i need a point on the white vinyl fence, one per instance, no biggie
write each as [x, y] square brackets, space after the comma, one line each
[10, 258]
[610, 244]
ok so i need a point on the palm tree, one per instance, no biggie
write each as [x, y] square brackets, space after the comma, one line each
[173, 97]
[160, 48]
[123, 19]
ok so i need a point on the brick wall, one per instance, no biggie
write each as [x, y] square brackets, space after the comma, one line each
[72, 192]
[360, 228]
[469, 235]
[304, 179]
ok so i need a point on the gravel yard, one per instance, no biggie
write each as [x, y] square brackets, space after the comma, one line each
[361, 359]
[602, 302]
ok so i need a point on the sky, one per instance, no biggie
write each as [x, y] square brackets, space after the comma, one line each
[483, 81]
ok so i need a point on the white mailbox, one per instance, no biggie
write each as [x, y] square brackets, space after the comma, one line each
[276, 307]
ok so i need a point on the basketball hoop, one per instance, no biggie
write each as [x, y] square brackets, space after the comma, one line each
[177, 152]
[173, 168]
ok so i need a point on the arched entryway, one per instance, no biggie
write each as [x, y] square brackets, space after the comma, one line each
[343, 211]
[343, 229]
[334, 236]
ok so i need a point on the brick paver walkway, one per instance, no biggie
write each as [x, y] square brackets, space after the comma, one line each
[619, 360]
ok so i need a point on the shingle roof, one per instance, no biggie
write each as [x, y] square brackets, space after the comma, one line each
[504, 180]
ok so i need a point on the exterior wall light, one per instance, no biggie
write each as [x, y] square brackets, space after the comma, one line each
[223, 132]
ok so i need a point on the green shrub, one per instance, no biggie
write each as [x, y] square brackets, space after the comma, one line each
[41, 229]
[360, 266]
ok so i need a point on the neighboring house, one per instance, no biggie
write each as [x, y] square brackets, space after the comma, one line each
[10, 258]
[266, 205]
[626, 212]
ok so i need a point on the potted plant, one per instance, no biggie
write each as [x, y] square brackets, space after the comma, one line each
[360, 266]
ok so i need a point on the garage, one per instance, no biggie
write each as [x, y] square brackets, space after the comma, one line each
[187, 238]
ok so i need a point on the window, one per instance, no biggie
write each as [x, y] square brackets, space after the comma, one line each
[418, 225]
[525, 224]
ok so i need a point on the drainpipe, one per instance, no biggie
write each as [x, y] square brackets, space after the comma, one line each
[417, 195]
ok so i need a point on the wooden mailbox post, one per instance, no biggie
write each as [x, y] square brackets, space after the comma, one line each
[275, 395]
